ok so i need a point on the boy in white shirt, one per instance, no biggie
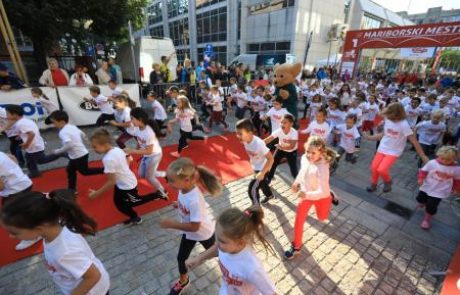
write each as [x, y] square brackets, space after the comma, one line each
[120, 177]
[319, 127]
[241, 102]
[288, 139]
[159, 113]
[33, 143]
[217, 108]
[7, 127]
[276, 113]
[72, 144]
[413, 111]
[260, 158]
[430, 133]
[103, 103]
[348, 135]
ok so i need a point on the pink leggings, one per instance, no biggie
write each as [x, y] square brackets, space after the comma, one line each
[322, 206]
[380, 166]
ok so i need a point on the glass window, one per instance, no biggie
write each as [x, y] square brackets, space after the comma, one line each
[205, 3]
[212, 26]
[270, 6]
[154, 13]
[157, 32]
[368, 22]
[220, 54]
[177, 7]
[269, 47]
[178, 32]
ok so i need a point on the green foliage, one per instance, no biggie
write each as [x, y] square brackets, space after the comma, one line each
[450, 58]
[46, 21]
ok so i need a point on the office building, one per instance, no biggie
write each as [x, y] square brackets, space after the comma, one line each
[433, 15]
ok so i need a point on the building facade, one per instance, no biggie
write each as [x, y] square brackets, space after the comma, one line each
[433, 15]
[236, 27]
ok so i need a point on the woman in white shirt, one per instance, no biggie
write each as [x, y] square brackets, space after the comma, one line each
[80, 78]
[57, 218]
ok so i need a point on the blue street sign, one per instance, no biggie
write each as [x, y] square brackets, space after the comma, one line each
[209, 50]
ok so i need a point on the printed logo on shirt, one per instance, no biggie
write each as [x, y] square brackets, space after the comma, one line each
[348, 135]
[443, 175]
[228, 277]
[318, 132]
[392, 132]
[182, 209]
[252, 154]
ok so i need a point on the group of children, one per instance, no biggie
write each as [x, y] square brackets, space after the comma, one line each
[338, 119]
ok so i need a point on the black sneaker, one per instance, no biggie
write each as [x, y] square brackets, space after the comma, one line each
[34, 175]
[179, 287]
[266, 199]
[291, 253]
[163, 195]
[133, 221]
[387, 187]
[372, 188]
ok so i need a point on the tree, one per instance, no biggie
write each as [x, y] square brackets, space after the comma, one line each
[46, 21]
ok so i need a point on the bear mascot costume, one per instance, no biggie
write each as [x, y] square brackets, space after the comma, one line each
[284, 80]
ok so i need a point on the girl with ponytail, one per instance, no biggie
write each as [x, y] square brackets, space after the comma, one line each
[57, 218]
[242, 271]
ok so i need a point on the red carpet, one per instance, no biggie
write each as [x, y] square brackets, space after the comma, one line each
[223, 154]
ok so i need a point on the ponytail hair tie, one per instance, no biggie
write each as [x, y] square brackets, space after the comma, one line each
[47, 196]
[247, 213]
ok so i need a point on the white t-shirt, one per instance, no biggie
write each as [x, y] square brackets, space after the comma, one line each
[12, 176]
[335, 117]
[412, 115]
[48, 105]
[117, 91]
[115, 162]
[394, 137]
[257, 150]
[314, 108]
[159, 112]
[216, 103]
[25, 125]
[322, 130]
[284, 138]
[104, 104]
[147, 137]
[241, 99]
[123, 116]
[430, 133]
[185, 119]
[276, 116]
[259, 104]
[406, 101]
[68, 257]
[370, 111]
[193, 208]
[348, 137]
[243, 274]
[72, 136]
[428, 108]
[440, 179]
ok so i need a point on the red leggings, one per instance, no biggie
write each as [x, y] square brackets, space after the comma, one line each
[380, 166]
[322, 206]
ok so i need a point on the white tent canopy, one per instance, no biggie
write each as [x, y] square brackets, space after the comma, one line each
[332, 58]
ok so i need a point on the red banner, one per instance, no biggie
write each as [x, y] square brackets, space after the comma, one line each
[427, 35]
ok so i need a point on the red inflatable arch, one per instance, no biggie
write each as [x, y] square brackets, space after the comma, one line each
[427, 35]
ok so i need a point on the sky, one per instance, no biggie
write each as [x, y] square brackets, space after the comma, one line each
[417, 6]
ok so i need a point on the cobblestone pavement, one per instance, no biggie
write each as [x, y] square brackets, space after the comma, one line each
[371, 245]
[341, 256]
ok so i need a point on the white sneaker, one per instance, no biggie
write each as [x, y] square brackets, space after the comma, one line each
[26, 244]
[160, 174]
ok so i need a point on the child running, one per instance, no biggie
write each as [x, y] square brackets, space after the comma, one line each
[103, 103]
[146, 134]
[348, 135]
[195, 221]
[217, 108]
[72, 144]
[242, 270]
[312, 187]
[6, 126]
[319, 127]
[14, 182]
[123, 105]
[286, 148]
[32, 141]
[260, 158]
[120, 177]
[396, 132]
[437, 180]
[44, 100]
[159, 113]
[184, 115]
[57, 218]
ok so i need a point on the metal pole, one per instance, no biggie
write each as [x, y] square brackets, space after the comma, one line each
[329, 53]
[9, 39]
